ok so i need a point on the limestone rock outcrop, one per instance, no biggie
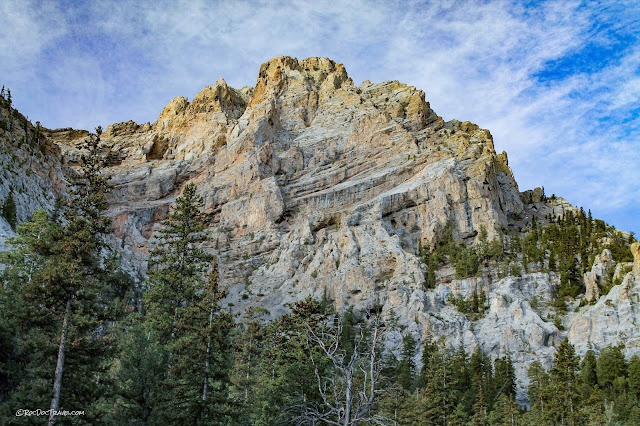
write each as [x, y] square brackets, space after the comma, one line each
[614, 319]
[315, 186]
[31, 172]
[594, 279]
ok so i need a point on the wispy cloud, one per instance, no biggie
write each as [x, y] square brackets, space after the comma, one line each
[557, 82]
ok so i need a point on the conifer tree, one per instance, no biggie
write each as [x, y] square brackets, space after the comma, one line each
[406, 366]
[287, 373]
[184, 316]
[565, 401]
[480, 405]
[439, 402]
[428, 349]
[634, 377]
[504, 377]
[66, 293]
[462, 381]
[610, 365]
[588, 374]
[245, 372]
[505, 412]
[141, 368]
[9, 211]
[539, 394]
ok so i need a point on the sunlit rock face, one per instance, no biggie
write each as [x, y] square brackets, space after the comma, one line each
[315, 186]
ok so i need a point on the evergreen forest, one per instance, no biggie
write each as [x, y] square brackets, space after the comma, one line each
[86, 344]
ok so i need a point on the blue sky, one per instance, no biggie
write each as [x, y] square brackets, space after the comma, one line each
[556, 82]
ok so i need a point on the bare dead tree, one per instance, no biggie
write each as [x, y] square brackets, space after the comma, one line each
[354, 381]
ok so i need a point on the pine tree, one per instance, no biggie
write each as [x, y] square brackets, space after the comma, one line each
[504, 377]
[462, 381]
[565, 401]
[428, 349]
[244, 375]
[140, 368]
[66, 292]
[588, 374]
[432, 266]
[439, 401]
[539, 393]
[480, 405]
[177, 265]
[610, 365]
[407, 367]
[634, 377]
[505, 412]
[9, 211]
[287, 373]
[199, 378]
[183, 314]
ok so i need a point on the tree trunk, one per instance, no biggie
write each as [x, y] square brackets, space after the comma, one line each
[146, 412]
[347, 402]
[57, 381]
[207, 368]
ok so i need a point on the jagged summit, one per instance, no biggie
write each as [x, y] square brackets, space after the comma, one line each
[314, 186]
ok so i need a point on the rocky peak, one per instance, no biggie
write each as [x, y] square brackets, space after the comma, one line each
[220, 98]
[176, 107]
[284, 73]
[313, 186]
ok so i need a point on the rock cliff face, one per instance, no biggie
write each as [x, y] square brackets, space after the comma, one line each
[313, 185]
[614, 319]
[31, 172]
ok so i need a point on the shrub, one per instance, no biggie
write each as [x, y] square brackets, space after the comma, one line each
[9, 211]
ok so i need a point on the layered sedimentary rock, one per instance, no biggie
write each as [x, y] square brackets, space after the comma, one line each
[31, 171]
[315, 186]
[615, 318]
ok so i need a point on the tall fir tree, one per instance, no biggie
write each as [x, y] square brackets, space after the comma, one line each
[539, 393]
[565, 400]
[406, 367]
[66, 293]
[439, 402]
[184, 316]
[247, 354]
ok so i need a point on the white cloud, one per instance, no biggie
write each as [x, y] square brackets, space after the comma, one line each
[476, 60]
[27, 28]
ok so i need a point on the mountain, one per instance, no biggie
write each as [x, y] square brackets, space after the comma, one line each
[314, 186]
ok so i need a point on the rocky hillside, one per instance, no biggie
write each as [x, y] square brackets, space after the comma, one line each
[315, 186]
[31, 175]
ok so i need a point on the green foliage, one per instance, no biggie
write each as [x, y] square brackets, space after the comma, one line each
[565, 400]
[473, 306]
[245, 375]
[438, 396]
[140, 369]
[9, 211]
[634, 377]
[539, 393]
[64, 291]
[286, 370]
[177, 265]
[588, 375]
[185, 321]
[611, 365]
[604, 390]
[432, 266]
[406, 369]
